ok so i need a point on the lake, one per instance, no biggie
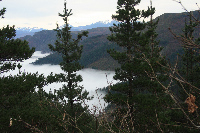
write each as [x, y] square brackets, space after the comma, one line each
[92, 79]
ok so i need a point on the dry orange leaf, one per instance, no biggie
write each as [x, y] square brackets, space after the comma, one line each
[10, 122]
[191, 103]
[64, 117]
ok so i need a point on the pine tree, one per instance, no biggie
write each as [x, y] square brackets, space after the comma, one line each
[130, 36]
[190, 66]
[153, 54]
[138, 40]
[16, 92]
[12, 49]
[22, 109]
[70, 51]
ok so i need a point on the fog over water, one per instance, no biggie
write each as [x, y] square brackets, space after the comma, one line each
[92, 79]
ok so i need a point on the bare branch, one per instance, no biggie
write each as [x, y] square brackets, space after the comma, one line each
[158, 122]
[187, 43]
[187, 10]
[173, 97]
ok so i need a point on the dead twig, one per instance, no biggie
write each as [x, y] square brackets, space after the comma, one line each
[187, 10]
[158, 122]
[29, 126]
[187, 43]
[173, 97]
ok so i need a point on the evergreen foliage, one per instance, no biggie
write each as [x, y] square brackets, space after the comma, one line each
[22, 108]
[138, 40]
[19, 103]
[11, 49]
[71, 54]
[131, 35]
[140, 104]
[190, 67]
[72, 95]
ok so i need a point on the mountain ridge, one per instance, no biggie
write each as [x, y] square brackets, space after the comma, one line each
[97, 40]
[94, 25]
[23, 31]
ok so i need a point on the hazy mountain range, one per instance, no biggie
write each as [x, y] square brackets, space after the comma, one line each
[94, 25]
[21, 32]
[96, 44]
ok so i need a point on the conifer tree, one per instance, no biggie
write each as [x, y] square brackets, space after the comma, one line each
[129, 35]
[70, 51]
[16, 92]
[12, 49]
[153, 54]
[138, 39]
[190, 67]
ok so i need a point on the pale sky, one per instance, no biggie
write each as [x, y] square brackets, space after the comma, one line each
[44, 13]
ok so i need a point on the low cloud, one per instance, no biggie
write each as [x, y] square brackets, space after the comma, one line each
[92, 79]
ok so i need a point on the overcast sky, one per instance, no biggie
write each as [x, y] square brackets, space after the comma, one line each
[44, 13]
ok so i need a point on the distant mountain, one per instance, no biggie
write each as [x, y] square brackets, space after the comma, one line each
[40, 40]
[21, 32]
[94, 25]
[94, 54]
[176, 23]
[95, 46]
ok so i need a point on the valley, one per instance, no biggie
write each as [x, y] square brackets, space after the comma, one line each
[95, 46]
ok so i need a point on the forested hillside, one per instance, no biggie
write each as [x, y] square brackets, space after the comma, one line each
[176, 23]
[151, 93]
[95, 46]
[94, 54]
[40, 40]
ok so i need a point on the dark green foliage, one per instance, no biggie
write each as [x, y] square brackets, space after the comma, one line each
[19, 102]
[53, 59]
[94, 54]
[22, 109]
[33, 111]
[141, 53]
[71, 54]
[71, 94]
[2, 12]
[189, 66]
[190, 58]
[152, 113]
[11, 49]
[131, 35]
[156, 113]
